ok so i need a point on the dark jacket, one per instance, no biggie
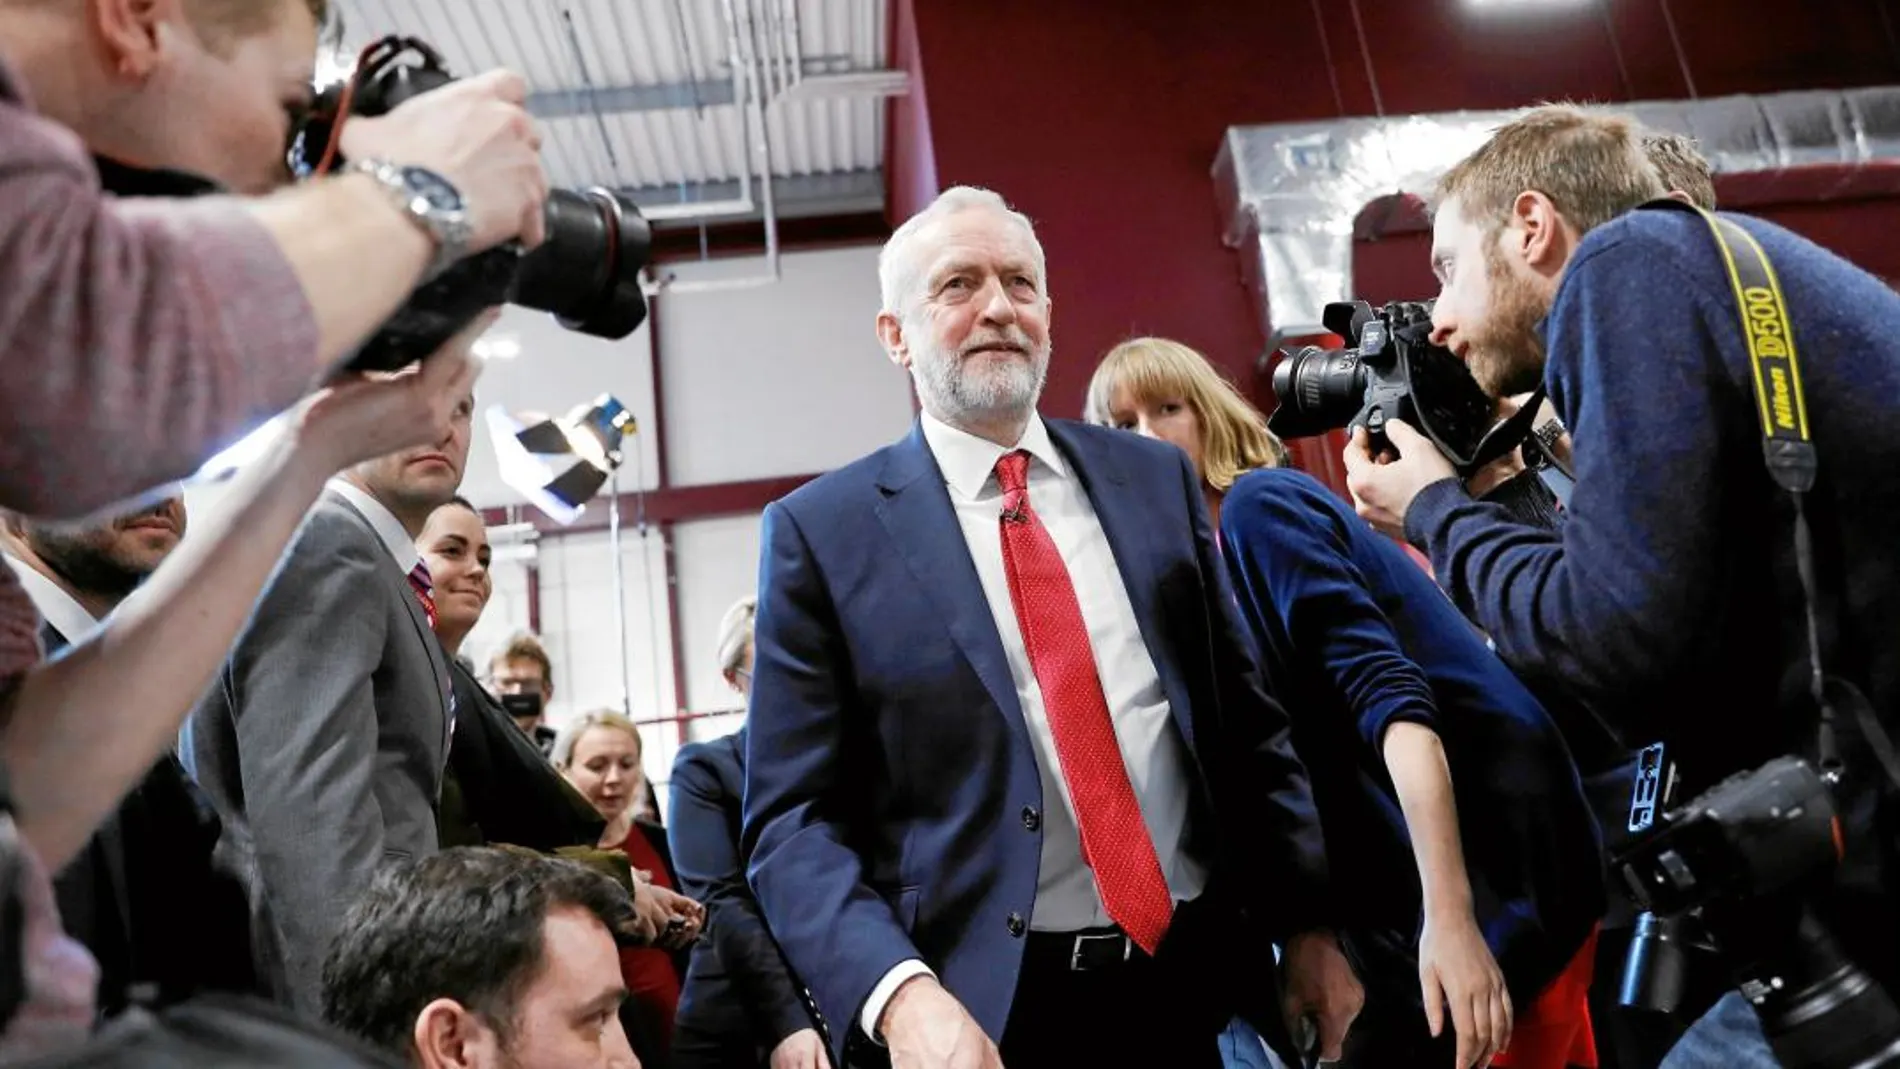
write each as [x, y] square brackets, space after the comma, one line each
[740, 999]
[1359, 638]
[882, 680]
[144, 896]
[504, 789]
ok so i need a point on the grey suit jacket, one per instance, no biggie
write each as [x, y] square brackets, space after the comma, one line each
[322, 742]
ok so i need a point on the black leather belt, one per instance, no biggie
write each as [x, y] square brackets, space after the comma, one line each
[1090, 951]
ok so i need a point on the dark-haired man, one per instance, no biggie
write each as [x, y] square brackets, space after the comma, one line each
[480, 958]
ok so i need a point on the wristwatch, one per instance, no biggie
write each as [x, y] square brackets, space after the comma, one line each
[430, 201]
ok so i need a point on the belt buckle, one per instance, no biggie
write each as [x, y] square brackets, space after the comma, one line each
[1076, 964]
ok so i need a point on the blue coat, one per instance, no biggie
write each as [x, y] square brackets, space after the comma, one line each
[1360, 638]
[893, 803]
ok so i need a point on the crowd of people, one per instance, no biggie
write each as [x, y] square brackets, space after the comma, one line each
[1107, 741]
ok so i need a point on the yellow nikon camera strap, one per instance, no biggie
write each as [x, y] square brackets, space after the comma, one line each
[1787, 446]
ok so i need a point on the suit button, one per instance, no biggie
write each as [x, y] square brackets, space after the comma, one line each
[1016, 925]
[1031, 819]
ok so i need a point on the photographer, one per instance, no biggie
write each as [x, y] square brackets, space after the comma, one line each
[166, 327]
[1667, 600]
[182, 323]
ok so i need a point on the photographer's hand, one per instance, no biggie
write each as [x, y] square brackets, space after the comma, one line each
[1383, 488]
[476, 133]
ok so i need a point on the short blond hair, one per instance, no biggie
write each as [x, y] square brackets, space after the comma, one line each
[1590, 164]
[1234, 435]
[1681, 167]
[735, 633]
[561, 754]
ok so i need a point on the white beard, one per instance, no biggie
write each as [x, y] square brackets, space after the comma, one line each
[958, 390]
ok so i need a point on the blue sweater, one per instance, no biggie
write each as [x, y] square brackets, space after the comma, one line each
[1358, 637]
[1667, 599]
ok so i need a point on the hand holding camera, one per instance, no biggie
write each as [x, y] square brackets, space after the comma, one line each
[477, 134]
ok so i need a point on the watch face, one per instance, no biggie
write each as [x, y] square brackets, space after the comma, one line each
[433, 188]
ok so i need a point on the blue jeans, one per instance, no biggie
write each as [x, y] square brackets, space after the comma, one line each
[1242, 1048]
[1727, 1037]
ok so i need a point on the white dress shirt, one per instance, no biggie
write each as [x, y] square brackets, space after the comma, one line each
[394, 536]
[57, 607]
[1152, 748]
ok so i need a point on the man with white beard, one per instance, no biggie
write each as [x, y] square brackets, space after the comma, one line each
[1013, 780]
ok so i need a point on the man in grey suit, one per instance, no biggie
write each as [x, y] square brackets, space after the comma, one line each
[323, 740]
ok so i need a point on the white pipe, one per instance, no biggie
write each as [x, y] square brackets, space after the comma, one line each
[794, 46]
[705, 209]
[738, 63]
[754, 117]
[620, 592]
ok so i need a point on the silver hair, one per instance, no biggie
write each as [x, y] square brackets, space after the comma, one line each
[897, 266]
[735, 633]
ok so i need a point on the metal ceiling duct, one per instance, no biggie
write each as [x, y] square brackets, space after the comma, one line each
[1291, 194]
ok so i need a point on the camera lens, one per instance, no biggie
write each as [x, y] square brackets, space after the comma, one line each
[1318, 389]
[1656, 967]
[587, 272]
[1819, 1010]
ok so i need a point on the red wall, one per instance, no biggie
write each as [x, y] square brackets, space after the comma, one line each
[1101, 119]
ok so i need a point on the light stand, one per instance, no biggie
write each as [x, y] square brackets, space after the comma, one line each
[560, 464]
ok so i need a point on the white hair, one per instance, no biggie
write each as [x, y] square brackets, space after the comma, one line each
[735, 633]
[897, 264]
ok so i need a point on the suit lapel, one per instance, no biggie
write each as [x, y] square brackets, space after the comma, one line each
[438, 663]
[412, 606]
[916, 511]
[1130, 522]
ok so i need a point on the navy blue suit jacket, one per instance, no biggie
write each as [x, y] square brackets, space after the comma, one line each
[739, 990]
[892, 797]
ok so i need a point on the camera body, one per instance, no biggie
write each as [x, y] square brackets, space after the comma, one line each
[586, 272]
[1390, 370]
[1727, 876]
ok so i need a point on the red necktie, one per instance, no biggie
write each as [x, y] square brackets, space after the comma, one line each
[1115, 841]
[425, 590]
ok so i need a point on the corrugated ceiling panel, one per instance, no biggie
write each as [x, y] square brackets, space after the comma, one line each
[573, 45]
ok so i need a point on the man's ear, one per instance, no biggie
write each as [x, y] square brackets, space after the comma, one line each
[1677, 194]
[1544, 236]
[128, 33]
[448, 1036]
[890, 332]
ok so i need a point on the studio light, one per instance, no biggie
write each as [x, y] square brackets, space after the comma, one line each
[559, 464]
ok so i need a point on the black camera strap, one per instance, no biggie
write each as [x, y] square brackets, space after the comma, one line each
[1788, 448]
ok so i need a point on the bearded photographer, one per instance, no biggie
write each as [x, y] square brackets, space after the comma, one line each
[1668, 600]
[186, 322]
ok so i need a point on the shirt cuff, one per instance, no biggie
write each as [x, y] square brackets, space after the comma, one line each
[1429, 510]
[881, 994]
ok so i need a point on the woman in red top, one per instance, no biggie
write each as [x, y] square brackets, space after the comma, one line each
[599, 753]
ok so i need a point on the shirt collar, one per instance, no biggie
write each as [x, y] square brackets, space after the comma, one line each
[59, 608]
[969, 463]
[388, 528]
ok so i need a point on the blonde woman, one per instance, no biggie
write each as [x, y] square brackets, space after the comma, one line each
[599, 753]
[1456, 899]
